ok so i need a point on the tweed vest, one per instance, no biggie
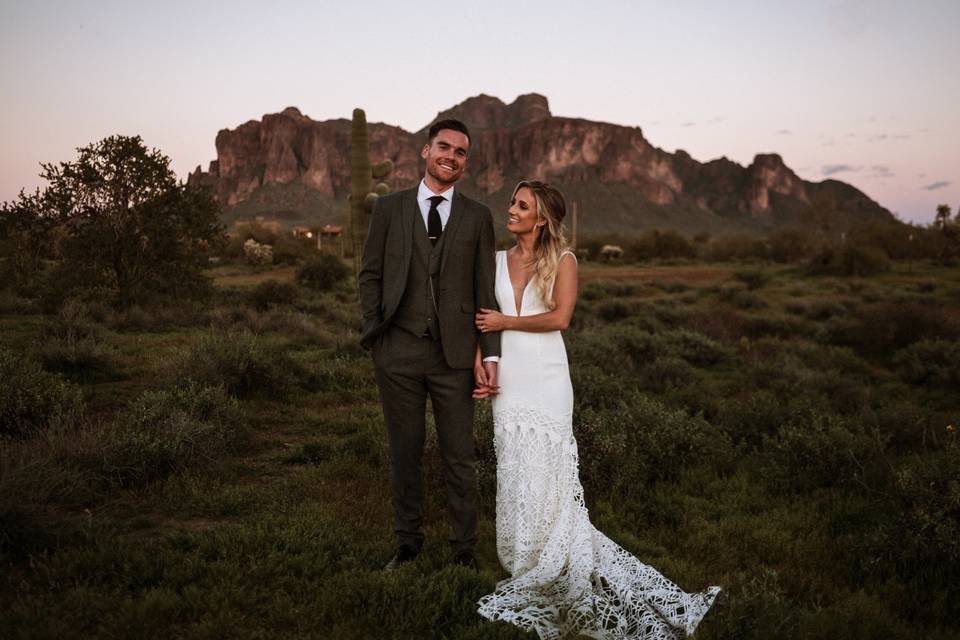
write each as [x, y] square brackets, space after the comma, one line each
[417, 312]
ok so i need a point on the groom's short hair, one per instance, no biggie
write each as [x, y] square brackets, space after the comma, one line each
[440, 125]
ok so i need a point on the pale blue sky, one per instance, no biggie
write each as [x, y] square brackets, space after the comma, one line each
[865, 92]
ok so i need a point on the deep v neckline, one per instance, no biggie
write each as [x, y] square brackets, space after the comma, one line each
[517, 307]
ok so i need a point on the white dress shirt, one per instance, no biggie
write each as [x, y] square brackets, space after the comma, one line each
[423, 199]
[424, 193]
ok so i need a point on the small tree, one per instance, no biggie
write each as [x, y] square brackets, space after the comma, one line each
[26, 242]
[127, 224]
[949, 234]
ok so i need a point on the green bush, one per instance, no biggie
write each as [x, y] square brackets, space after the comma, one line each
[603, 289]
[243, 364]
[271, 293]
[789, 245]
[623, 348]
[933, 363]
[643, 442]
[736, 247]
[928, 501]
[33, 401]
[667, 372]
[663, 245]
[824, 451]
[739, 295]
[614, 310]
[323, 272]
[753, 278]
[165, 431]
[849, 260]
[886, 327]
[73, 341]
[156, 318]
[290, 250]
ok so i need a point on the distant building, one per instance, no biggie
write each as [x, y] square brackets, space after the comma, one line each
[334, 236]
[302, 232]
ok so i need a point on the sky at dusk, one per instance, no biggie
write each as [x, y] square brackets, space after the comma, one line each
[864, 92]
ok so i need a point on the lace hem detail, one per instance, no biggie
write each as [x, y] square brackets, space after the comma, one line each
[517, 419]
[567, 577]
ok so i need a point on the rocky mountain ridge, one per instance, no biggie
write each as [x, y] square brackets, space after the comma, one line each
[289, 166]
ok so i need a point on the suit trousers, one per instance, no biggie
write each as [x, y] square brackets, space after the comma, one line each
[408, 369]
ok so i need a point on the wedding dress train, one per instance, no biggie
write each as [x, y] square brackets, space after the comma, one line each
[567, 578]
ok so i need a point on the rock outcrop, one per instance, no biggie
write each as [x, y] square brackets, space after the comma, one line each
[622, 180]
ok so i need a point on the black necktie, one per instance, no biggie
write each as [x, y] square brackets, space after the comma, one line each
[434, 226]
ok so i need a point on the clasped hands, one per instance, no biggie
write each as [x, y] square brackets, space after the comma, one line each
[485, 373]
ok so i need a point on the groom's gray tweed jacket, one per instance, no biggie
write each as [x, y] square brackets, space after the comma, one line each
[464, 284]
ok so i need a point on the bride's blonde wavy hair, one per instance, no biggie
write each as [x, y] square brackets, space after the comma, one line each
[551, 241]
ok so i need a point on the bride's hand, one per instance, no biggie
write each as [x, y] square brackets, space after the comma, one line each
[488, 320]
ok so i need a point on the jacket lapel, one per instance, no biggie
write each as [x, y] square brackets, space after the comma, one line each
[409, 210]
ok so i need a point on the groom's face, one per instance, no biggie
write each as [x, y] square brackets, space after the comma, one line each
[446, 156]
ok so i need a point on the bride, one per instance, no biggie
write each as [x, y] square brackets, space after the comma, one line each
[566, 578]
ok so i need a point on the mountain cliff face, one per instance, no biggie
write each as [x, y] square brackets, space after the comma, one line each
[289, 166]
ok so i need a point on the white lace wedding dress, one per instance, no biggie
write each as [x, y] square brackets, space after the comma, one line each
[566, 578]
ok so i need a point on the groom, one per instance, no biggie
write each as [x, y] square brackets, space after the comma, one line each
[428, 265]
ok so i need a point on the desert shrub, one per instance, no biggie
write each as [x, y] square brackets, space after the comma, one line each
[757, 606]
[603, 289]
[928, 500]
[753, 278]
[823, 450]
[796, 307]
[886, 327]
[290, 250]
[322, 272]
[849, 260]
[13, 304]
[625, 348]
[789, 245]
[828, 377]
[73, 341]
[722, 323]
[155, 318]
[667, 372]
[777, 324]
[750, 416]
[738, 295]
[363, 447]
[33, 401]
[825, 309]
[736, 247]
[659, 244]
[598, 389]
[165, 431]
[644, 441]
[615, 310]
[245, 365]
[813, 355]
[271, 293]
[256, 253]
[934, 363]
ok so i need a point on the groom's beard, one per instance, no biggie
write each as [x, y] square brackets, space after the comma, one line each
[445, 177]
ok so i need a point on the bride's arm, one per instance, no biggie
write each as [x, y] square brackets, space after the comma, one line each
[557, 319]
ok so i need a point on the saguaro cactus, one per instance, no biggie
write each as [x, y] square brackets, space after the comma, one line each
[363, 195]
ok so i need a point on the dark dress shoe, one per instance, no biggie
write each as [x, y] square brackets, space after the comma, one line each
[403, 555]
[465, 559]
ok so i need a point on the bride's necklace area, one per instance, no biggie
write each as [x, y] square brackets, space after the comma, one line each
[519, 289]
